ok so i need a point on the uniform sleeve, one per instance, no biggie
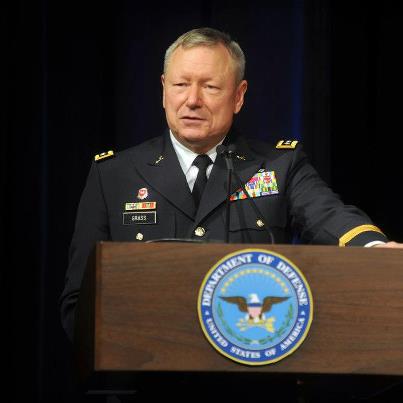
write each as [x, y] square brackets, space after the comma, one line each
[318, 214]
[91, 226]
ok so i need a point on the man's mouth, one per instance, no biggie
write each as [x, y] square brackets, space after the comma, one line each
[191, 118]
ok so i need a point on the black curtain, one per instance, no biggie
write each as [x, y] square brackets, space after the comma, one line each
[83, 77]
[366, 90]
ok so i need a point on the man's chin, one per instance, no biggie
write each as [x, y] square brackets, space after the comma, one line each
[197, 141]
[193, 136]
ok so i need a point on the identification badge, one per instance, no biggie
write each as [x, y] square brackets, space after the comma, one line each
[142, 193]
[140, 217]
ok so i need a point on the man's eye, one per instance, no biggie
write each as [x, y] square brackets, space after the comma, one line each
[180, 84]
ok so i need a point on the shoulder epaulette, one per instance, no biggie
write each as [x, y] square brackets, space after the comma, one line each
[103, 156]
[290, 144]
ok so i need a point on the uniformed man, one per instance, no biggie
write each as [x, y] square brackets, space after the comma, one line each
[174, 186]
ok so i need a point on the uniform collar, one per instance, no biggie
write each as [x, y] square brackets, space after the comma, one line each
[186, 156]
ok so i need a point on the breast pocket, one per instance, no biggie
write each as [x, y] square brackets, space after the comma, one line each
[246, 224]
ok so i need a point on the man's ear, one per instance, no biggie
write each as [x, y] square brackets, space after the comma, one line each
[163, 90]
[239, 96]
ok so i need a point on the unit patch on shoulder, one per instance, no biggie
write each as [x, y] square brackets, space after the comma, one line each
[290, 144]
[103, 156]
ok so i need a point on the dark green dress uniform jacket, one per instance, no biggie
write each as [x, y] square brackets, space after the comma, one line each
[304, 205]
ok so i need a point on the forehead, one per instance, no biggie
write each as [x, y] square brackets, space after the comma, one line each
[206, 60]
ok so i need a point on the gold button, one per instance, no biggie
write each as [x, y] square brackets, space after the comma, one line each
[200, 231]
[260, 223]
[139, 236]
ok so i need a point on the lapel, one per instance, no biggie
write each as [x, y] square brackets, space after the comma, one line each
[165, 174]
[246, 164]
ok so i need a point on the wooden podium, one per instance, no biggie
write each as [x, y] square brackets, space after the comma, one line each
[138, 310]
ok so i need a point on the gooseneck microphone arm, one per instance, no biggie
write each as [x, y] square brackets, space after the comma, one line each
[228, 153]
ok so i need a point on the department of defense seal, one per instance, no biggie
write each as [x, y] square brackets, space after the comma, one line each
[255, 307]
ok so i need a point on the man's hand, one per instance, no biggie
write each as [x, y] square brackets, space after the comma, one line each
[391, 244]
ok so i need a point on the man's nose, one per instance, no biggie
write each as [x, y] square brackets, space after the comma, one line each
[194, 99]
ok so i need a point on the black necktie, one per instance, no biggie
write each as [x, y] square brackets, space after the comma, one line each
[202, 161]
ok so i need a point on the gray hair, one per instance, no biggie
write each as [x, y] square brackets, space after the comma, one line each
[209, 37]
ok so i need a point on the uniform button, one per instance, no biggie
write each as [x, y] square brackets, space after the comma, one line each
[139, 236]
[260, 223]
[200, 231]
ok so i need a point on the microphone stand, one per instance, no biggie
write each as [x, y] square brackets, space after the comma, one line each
[227, 152]
[230, 170]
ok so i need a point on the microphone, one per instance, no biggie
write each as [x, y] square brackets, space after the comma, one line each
[228, 152]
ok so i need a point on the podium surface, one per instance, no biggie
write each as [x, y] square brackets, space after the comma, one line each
[138, 309]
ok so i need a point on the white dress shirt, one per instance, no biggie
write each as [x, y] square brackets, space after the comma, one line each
[186, 158]
[373, 243]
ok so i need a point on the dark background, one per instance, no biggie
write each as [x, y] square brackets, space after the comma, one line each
[79, 78]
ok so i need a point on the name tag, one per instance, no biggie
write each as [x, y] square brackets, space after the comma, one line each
[140, 217]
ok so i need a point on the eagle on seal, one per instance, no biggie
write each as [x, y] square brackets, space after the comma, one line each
[254, 307]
